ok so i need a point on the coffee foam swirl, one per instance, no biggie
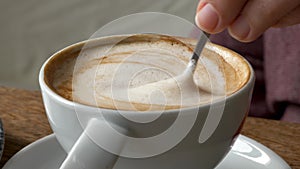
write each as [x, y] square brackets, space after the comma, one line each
[115, 77]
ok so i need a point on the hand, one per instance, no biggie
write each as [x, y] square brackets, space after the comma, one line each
[246, 20]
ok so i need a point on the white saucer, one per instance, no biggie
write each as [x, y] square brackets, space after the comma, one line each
[246, 153]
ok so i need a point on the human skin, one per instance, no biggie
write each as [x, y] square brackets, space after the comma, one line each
[246, 20]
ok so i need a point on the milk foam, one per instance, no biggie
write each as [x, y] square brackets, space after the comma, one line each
[146, 73]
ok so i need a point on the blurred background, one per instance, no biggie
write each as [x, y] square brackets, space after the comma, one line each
[32, 30]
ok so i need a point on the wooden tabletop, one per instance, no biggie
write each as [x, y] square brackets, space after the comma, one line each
[23, 115]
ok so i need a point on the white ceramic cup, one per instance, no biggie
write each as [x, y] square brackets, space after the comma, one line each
[79, 138]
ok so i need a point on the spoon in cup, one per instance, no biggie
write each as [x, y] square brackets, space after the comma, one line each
[182, 85]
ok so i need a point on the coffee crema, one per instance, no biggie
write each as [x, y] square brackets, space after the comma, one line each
[140, 73]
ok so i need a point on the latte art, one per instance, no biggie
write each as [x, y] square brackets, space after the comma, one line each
[144, 72]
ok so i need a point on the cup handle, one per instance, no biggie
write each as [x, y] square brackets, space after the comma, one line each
[86, 154]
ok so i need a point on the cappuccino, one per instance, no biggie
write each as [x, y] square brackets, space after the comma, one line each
[144, 72]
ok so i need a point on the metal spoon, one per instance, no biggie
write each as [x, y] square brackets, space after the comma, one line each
[184, 81]
[197, 52]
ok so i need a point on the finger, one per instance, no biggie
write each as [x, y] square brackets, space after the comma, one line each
[257, 16]
[214, 16]
[290, 19]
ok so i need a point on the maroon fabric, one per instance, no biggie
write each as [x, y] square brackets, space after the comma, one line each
[275, 58]
[291, 113]
[282, 65]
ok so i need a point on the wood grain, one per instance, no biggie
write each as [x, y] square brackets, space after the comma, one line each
[281, 137]
[25, 121]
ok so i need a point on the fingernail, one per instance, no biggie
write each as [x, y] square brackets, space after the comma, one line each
[240, 28]
[207, 18]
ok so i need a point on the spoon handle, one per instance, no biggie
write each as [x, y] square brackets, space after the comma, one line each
[199, 47]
